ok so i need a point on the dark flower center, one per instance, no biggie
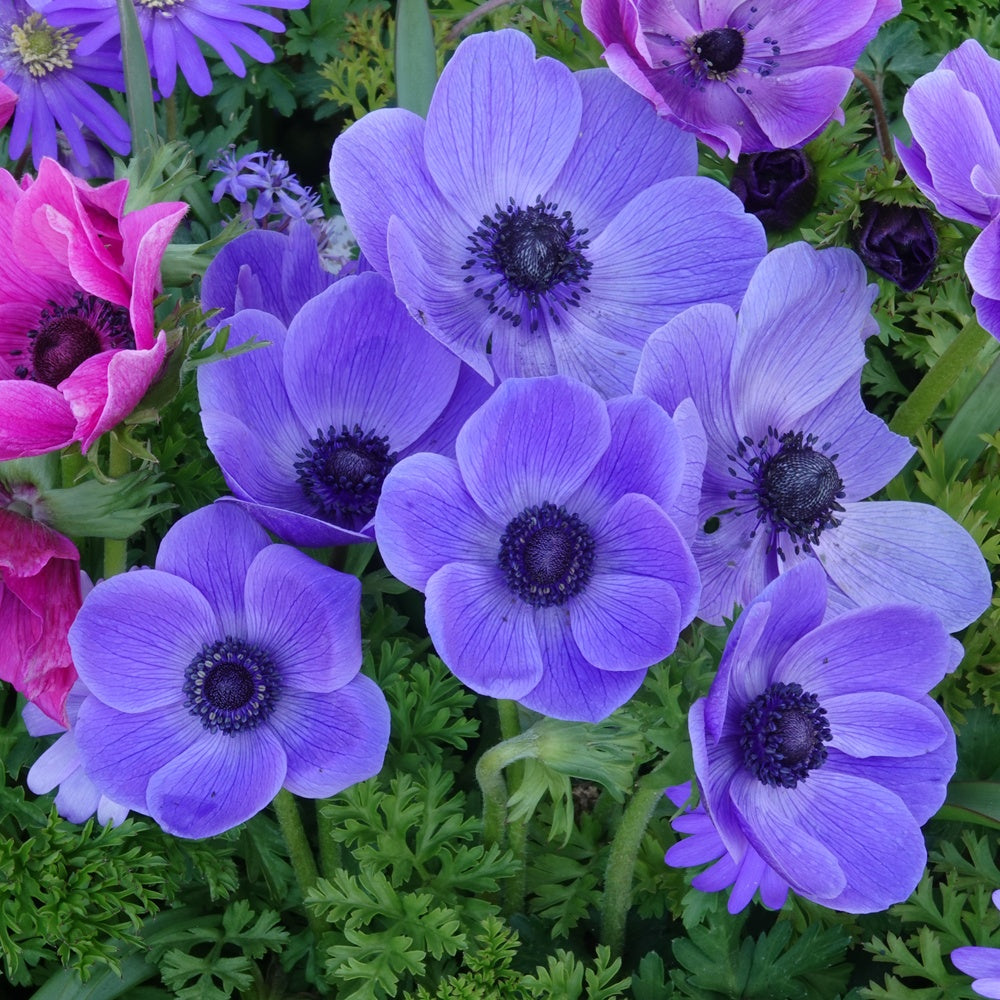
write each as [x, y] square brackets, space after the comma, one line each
[795, 488]
[67, 335]
[720, 50]
[342, 472]
[783, 732]
[231, 685]
[546, 555]
[534, 251]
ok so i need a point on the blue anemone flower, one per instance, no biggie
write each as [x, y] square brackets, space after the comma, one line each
[229, 671]
[44, 65]
[172, 30]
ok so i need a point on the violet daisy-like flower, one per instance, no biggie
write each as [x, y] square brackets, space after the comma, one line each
[60, 766]
[552, 550]
[792, 451]
[982, 963]
[173, 29]
[229, 671]
[544, 214]
[43, 65]
[306, 429]
[954, 116]
[744, 75]
[818, 751]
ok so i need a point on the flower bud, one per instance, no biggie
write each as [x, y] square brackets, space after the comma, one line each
[897, 242]
[778, 187]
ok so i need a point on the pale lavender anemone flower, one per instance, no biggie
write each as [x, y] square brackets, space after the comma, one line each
[553, 551]
[43, 65]
[818, 752]
[982, 963]
[306, 429]
[274, 272]
[792, 451]
[744, 75]
[226, 673]
[546, 216]
[172, 31]
[954, 116]
[60, 767]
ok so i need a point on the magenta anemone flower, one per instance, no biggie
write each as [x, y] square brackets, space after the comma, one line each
[818, 752]
[954, 116]
[78, 275]
[39, 598]
[60, 766]
[744, 75]
[540, 221]
[306, 428]
[553, 549]
[793, 454]
[53, 81]
[173, 29]
[229, 671]
[982, 963]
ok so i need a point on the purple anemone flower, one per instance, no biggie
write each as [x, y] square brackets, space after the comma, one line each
[173, 29]
[954, 116]
[60, 766]
[982, 963]
[273, 272]
[792, 450]
[552, 551]
[226, 673]
[818, 752]
[306, 429]
[545, 215]
[747, 76]
[43, 65]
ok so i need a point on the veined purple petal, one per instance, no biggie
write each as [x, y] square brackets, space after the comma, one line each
[426, 518]
[887, 551]
[532, 442]
[882, 724]
[307, 616]
[484, 633]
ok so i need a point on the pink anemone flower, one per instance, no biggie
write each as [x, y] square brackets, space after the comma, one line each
[78, 275]
[39, 598]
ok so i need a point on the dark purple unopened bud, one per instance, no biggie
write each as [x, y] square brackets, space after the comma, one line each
[779, 187]
[897, 242]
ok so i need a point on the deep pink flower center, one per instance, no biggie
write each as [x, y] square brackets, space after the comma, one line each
[67, 335]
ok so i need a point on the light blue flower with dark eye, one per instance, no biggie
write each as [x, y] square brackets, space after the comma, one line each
[818, 751]
[229, 671]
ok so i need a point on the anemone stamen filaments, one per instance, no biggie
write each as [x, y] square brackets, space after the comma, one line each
[546, 555]
[534, 261]
[341, 472]
[67, 335]
[231, 685]
[790, 484]
[783, 732]
[40, 48]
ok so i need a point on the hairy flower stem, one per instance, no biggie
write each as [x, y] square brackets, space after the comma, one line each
[299, 853]
[617, 899]
[489, 774]
[916, 412]
[881, 122]
[116, 549]
[517, 830]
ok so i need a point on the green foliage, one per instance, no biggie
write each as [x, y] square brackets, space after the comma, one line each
[419, 878]
[216, 958]
[71, 891]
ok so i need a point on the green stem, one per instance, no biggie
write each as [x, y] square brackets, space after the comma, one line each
[299, 852]
[517, 830]
[489, 774]
[71, 461]
[961, 354]
[116, 549]
[621, 865]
